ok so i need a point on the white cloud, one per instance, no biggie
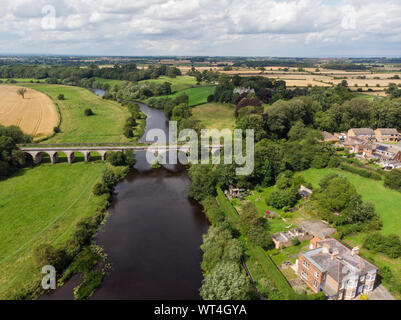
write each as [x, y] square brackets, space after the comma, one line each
[208, 27]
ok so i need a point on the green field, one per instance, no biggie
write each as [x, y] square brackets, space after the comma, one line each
[24, 80]
[197, 96]
[106, 125]
[41, 205]
[215, 116]
[177, 84]
[387, 201]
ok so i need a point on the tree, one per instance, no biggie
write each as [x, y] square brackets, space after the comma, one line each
[21, 92]
[393, 180]
[203, 181]
[226, 282]
[219, 246]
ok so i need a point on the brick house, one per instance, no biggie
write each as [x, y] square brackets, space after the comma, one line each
[387, 135]
[336, 270]
[362, 133]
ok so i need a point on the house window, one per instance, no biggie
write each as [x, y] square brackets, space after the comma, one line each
[316, 275]
[352, 284]
[315, 284]
[306, 264]
[370, 277]
[362, 278]
[340, 296]
[342, 286]
[304, 275]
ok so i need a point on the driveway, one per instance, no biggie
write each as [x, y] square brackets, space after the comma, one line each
[380, 293]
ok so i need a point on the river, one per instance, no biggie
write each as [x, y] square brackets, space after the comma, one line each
[152, 235]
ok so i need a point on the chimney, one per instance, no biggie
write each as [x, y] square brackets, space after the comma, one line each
[334, 254]
[355, 251]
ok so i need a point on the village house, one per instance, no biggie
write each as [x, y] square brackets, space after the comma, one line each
[387, 135]
[362, 133]
[328, 137]
[366, 148]
[241, 90]
[336, 270]
[304, 192]
[284, 239]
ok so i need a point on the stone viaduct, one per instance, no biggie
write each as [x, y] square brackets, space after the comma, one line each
[37, 152]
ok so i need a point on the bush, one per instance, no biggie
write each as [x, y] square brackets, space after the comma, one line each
[282, 198]
[46, 254]
[99, 189]
[56, 130]
[212, 210]
[61, 97]
[361, 172]
[393, 180]
[88, 112]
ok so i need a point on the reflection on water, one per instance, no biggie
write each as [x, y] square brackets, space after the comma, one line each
[153, 233]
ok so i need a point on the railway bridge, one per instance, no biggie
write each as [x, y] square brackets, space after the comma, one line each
[37, 151]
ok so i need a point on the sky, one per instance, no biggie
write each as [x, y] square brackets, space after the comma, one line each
[279, 28]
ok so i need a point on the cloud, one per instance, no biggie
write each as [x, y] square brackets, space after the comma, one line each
[203, 27]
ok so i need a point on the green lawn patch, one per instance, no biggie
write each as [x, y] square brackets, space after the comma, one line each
[41, 205]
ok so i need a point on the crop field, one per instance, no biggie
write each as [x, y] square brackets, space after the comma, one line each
[106, 125]
[41, 205]
[35, 114]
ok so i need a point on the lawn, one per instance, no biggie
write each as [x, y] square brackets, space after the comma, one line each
[106, 125]
[177, 84]
[41, 205]
[215, 116]
[387, 201]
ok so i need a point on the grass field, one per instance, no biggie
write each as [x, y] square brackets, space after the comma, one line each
[41, 205]
[215, 116]
[177, 84]
[197, 96]
[387, 201]
[24, 80]
[106, 125]
[35, 114]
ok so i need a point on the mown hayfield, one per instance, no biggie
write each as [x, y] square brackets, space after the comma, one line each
[387, 201]
[106, 125]
[215, 116]
[35, 114]
[41, 205]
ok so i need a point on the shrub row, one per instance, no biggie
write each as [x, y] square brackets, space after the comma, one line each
[361, 172]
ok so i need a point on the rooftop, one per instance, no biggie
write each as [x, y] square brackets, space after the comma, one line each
[363, 131]
[344, 264]
[388, 132]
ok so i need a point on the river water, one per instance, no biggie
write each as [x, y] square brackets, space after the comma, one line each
[153, 233]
